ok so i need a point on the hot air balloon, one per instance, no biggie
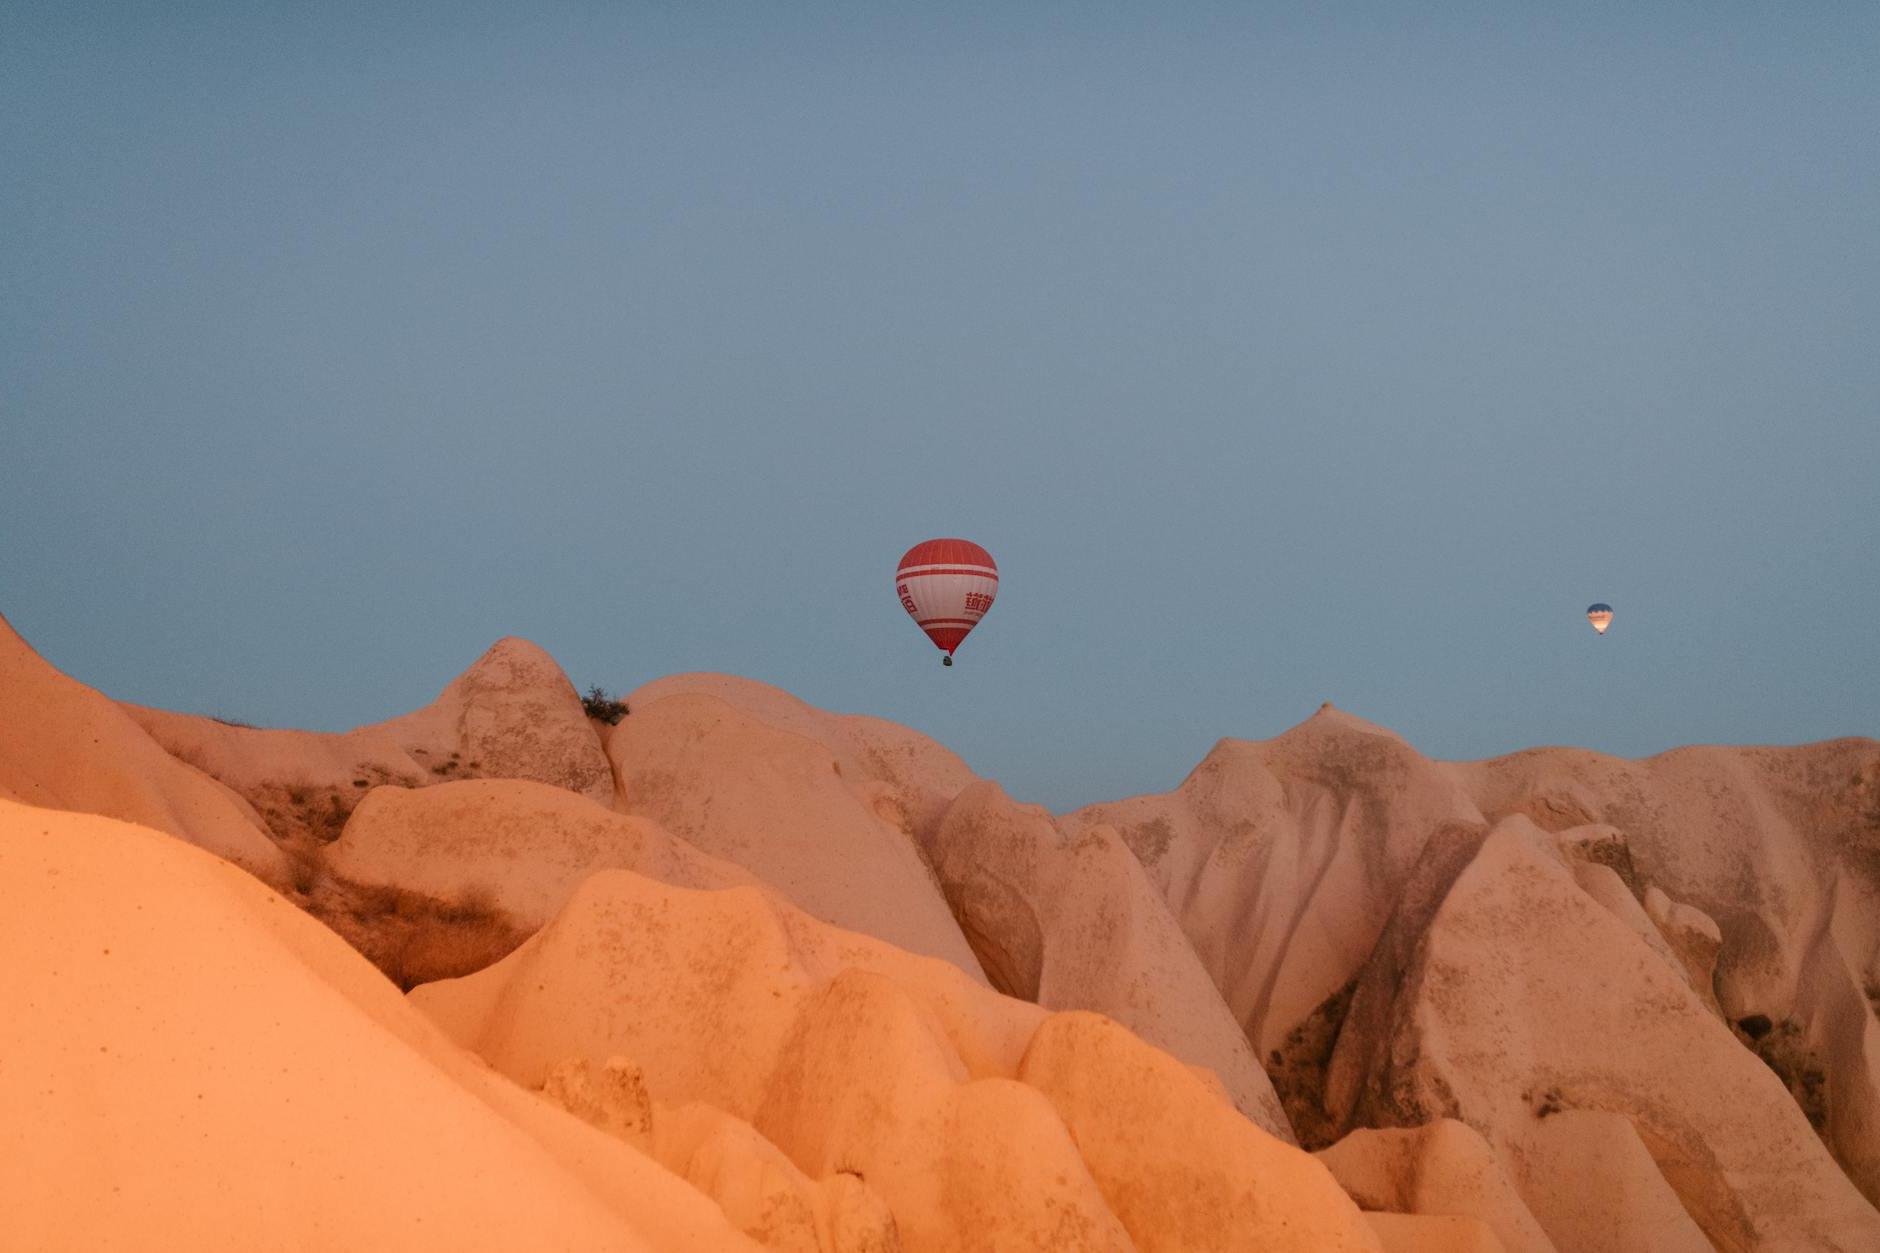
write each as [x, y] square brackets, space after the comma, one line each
[1600, 616]
[946, 586]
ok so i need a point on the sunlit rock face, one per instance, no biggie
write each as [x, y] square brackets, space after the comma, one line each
[738, 973]
[200, 1065]
[827, 811]
[908, 777]
[973, 1115]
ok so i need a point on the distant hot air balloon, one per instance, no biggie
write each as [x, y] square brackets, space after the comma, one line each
[946, 586]
[1600, 616]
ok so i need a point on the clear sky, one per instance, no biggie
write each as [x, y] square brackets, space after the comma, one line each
[1279, 353]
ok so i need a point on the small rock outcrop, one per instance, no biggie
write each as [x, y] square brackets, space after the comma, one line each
[516, 716]
[1443, 1167]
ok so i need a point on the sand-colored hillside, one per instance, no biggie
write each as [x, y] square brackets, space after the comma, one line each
[193, 1063]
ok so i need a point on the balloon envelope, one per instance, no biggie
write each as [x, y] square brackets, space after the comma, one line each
[946, 586]
[1600, 616]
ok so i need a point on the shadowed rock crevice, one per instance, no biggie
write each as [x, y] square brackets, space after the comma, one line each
[1298, 1069]
[1011, 950]
[1785, 1049]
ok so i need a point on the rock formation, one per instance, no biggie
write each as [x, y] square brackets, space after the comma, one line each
[1506, 996]
[738, 973]
[741, 774]
[1072, 923]
[511, 715]
[967, 1111]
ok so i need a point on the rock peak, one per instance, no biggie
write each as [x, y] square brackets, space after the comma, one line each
[1329, 717]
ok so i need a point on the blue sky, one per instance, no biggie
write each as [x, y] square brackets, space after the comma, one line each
[1280, 354]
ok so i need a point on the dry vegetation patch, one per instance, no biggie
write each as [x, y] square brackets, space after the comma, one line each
[602, 707]
[414, 938]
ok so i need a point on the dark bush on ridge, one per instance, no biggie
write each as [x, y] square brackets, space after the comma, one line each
[602, 706]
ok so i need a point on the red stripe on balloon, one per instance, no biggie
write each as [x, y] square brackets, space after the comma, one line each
[979, 571]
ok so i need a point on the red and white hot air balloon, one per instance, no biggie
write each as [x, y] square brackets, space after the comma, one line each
[946, 586]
